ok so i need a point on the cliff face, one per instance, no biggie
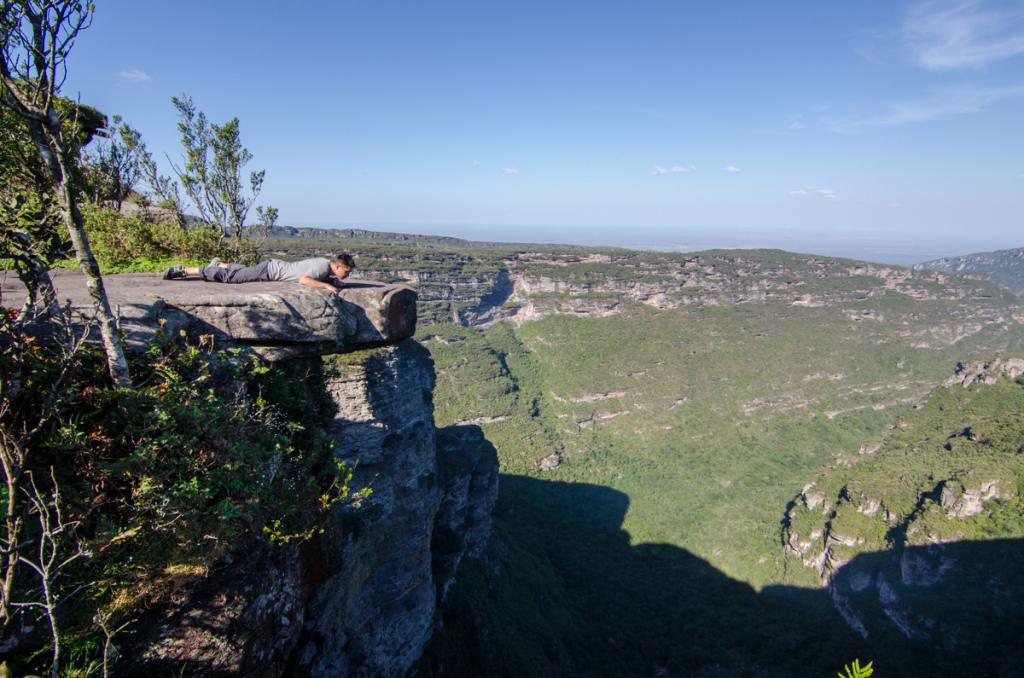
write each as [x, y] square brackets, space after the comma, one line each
[375, 608]
[359, 599]
[918, 534]
[530, 286]
[386, 564]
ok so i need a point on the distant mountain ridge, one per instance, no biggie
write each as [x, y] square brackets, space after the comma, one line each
[361, 236]
[1004, 267]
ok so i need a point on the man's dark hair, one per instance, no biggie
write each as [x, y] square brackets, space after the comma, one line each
[345, 259]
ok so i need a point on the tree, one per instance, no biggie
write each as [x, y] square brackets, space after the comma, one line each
[30, 226]
[36, 37]
[212, 176]
[21, 168]
[117, 163]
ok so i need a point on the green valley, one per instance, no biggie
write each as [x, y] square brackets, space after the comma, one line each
[649, 454]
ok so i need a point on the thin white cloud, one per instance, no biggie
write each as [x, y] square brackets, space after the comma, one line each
[956, 34]
[797, 125]
[826, 193]
[477, 163]
[133, 75]
[730, 168]
[944, 104]
[677, 169]
[659, 172]
[1020, 176]
[509, 170]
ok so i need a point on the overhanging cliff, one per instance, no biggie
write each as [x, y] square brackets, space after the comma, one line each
[278, 321]
[360, 598]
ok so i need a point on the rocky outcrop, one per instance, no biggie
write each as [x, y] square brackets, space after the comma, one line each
[531, 285]
[905, 536]
[985, 371]
[240, 619]
[279, 321]
[360, 599]
[468, 469]
[374, 610]
[954, 596]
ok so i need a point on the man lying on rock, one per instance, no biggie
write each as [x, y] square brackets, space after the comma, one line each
[325, 274]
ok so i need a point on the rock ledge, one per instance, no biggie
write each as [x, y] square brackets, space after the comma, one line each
[279, 321]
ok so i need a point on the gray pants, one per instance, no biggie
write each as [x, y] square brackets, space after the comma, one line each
[235, 273]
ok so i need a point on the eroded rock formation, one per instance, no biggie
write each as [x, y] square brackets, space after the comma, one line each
[360, 599]
[908, 535]
[531, 285]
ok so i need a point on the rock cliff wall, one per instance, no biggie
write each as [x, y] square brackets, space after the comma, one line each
[375, 608]
[359, 599]
[918, 534]
[530, 286]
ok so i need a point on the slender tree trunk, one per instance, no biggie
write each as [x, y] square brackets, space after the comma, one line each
[48, 139]
[11, 459]
[94, 283]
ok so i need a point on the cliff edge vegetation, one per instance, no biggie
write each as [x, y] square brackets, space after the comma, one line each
[117, 499]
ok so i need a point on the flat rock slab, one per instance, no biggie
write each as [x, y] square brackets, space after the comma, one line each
[277, 320]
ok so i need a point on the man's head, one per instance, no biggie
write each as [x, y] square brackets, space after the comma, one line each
[342, 265]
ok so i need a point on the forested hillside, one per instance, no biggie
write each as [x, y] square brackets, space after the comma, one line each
[1005, 267]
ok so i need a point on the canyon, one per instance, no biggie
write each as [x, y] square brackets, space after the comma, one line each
[681, 439]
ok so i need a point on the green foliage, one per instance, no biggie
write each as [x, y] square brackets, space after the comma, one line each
[913, 489]
[113, 169]
[1003, 267]
[212, 176]
[475, 381]
[21, 168]
[125, 244]
[211, 449]
[649, 457]
[855, 670]
[31, 233]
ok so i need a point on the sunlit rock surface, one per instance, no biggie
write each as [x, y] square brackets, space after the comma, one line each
[279, 321]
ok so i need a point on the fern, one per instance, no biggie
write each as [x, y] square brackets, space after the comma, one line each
[855, 670]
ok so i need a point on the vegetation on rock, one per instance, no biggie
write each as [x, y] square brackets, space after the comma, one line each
[139, 491]
[1004, 267]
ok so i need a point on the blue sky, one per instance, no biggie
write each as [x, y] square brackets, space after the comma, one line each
[883, 130]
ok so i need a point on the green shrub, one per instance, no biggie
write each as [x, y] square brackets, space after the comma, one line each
[124, 244]
[156, 483]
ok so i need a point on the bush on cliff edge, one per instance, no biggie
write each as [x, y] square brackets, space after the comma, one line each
[118, 498]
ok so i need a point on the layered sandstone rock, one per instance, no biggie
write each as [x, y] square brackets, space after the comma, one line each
[531, 285]
[374, 610]
[279, 321]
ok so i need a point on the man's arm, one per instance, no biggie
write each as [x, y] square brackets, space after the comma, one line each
[310, 281]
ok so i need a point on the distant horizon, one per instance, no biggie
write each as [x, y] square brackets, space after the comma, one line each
[883, 131]
[872, 247]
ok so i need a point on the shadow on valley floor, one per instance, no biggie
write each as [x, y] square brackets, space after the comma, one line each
[564, 593]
